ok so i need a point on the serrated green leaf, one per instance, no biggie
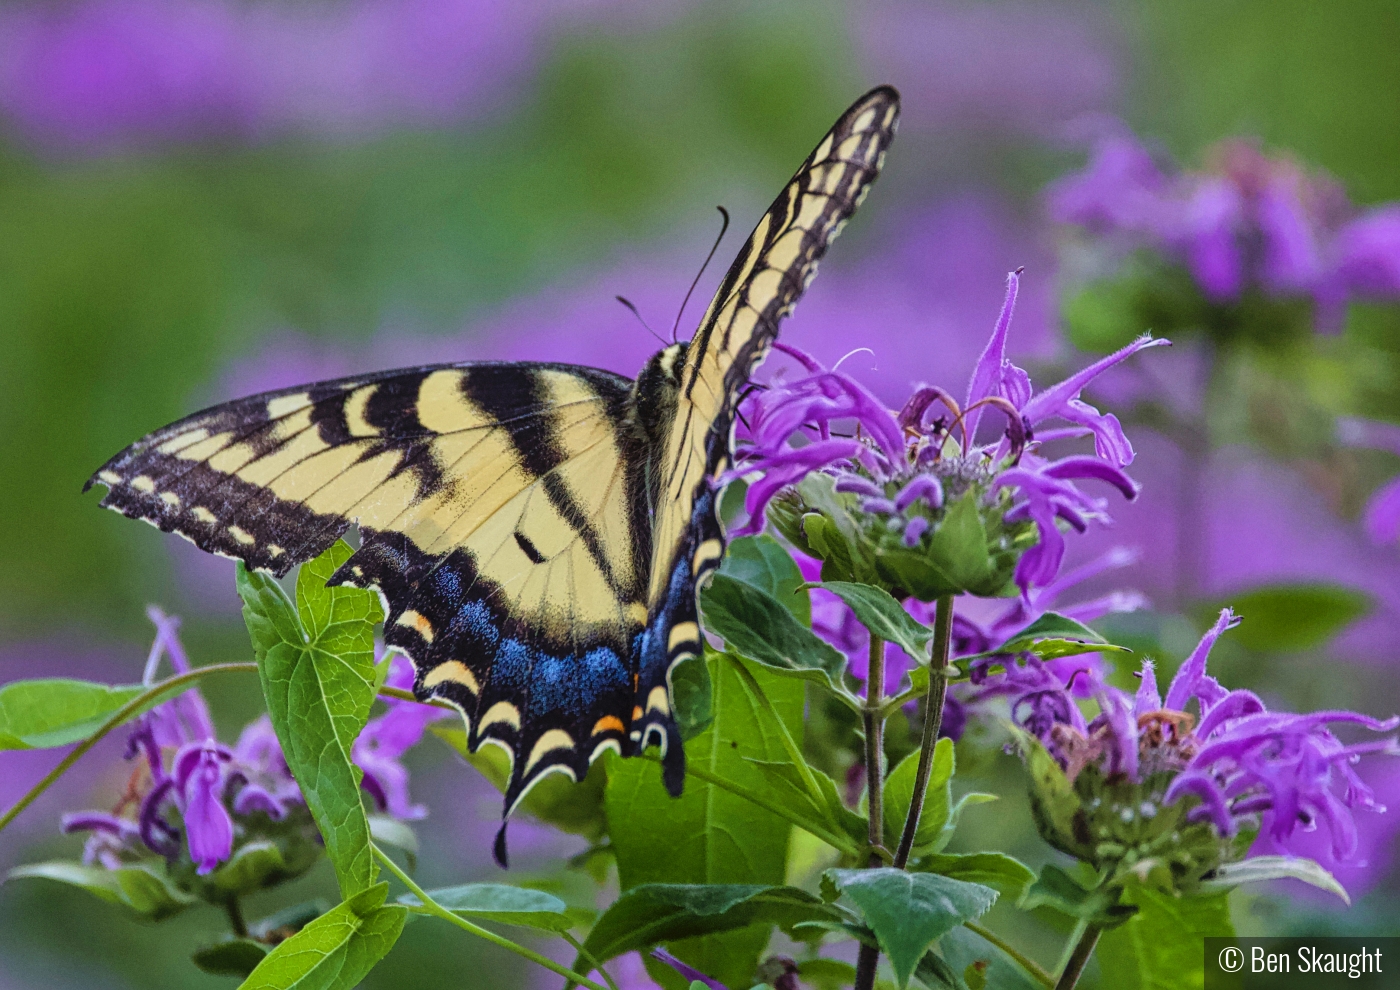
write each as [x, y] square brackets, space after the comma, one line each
[41, 714]
[651, 914]
[337, 950]
[938, 799]
[908, 911]
[1053, 636]
[1260, 868]
[754, 625]
[143, 888]
[1006, 875]
[1057, 890]
[762, 562]
[879, 612]
[316, 664]
[709, 835]
[1285, 618]
[231, 957]
[500, 902]
[1159, 948]
[556, 800]
[1054, 802]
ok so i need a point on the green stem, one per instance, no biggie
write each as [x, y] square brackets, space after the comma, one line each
[1026, 962]
[591, 959]
[933, 721]
[430, 906]
[1083, 949]
[235, 917]
[868, 959]
[790, 744]
[1080, 927]
[133, 707]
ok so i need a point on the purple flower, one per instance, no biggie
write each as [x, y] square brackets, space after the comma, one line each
[1245, 221]
[1241, 762]
[192, 790]
[1382, 516]
[385, 739]
[109, 72]
[917, 461]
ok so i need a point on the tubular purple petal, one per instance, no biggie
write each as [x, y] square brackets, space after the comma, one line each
[1148, 698]
[1212, 800]
[1092, 467]
[1184, 684]
[914, 531]
[1236, 704]
[923, 486]
[987, 374]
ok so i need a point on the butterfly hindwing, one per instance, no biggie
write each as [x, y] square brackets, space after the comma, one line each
[773, 268]
[502, 514]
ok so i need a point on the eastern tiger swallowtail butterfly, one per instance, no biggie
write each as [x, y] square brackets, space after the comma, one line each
[537, 530]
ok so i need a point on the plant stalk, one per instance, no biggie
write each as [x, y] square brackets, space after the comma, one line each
[933, 721]
[1079, 958]
[430, 906]
[868, 961]
[234, 909]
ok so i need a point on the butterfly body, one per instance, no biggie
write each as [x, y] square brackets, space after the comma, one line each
[537, 531]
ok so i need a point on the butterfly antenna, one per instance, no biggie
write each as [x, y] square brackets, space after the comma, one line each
[629, 304]
[689, 292]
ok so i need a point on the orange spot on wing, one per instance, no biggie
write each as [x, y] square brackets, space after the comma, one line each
[609, 723]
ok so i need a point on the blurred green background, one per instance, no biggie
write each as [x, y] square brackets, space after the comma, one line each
[167, 244]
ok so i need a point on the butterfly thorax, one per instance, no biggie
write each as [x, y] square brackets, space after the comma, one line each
[656, 394]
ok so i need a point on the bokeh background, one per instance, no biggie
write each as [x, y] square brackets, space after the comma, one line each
[203, 198]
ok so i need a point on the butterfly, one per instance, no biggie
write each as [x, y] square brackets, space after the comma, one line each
[537, 531]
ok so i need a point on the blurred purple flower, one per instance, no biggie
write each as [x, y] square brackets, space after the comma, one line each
[217, 791]
[1019, 66]
[1246, 220]
[103, 72]
[905, 450]
[1241, 761]
[1382, 517]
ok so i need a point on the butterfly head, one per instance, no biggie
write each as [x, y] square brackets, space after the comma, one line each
[658, 388]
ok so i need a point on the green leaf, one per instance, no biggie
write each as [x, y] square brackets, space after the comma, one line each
[47, 713]
[880, 613]
[935, 973]
[337, 950]
[754, 625]
[1285, 618]
[143, 887]
[576, 808]
[1054, 803]
[762, 562]
[1159, 948]
[651, 914]
[908, 911]
[692, 696]
[830, 815]
[231, 957]
[959, 545]
[1053, 635]
[999, 871]
[500, 902]
[1057, 890]
[316, 665]
[826, 974]
[386, 830]
[1260, 868]
[250, 868]
[938, 799]
[709, 835]
[963, 949]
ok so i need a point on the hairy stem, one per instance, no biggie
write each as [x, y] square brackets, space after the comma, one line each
[156, 693]
[869, 958]
[933, 721]
[1083, 949]
[429, 906]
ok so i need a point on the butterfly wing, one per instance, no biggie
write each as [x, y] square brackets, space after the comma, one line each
[502, 515]
[772, 270]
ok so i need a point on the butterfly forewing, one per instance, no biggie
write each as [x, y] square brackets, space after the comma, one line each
[762, 286]
[502, 515]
